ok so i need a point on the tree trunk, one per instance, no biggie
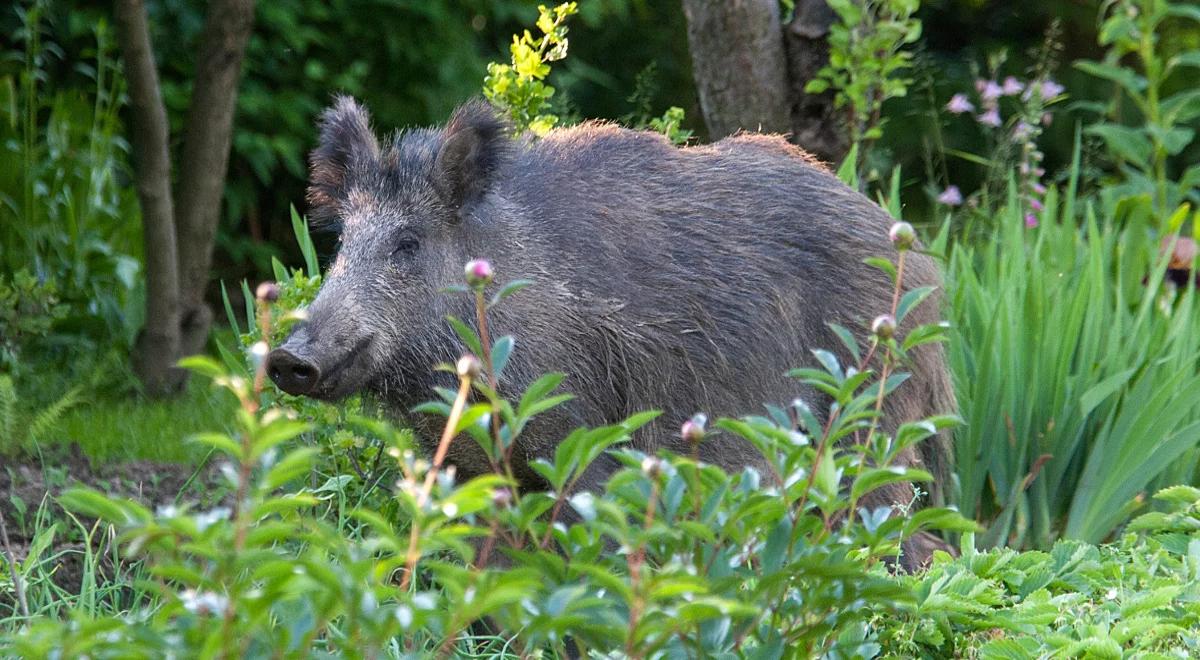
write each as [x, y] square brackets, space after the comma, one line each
[158, 343]
[750, 71]
[739, 65]
[209, 131]
[815, 124]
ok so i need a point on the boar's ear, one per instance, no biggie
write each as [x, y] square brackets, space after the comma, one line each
[345, 138]
[475, 143]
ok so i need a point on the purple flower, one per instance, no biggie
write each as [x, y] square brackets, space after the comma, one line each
[1031, 220]
[1022, 131]
[1036, 205]
[1051, 89]
[1038, 188]
[991, 91]
[990, 118]
[951, 196]
[1012, 86]
[959, 104]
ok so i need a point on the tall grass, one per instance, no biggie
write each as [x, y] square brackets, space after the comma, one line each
[1075, 363]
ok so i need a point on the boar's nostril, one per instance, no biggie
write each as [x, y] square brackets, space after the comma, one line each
[292, 373]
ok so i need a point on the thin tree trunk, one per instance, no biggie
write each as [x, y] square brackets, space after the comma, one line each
[209, 131]
[751, 71]
[158, 343]
[739, 65]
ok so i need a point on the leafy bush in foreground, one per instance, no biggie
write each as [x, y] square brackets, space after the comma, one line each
[675, 557]
[1139, 597]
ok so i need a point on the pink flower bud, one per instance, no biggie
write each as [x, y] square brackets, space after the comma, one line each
[692, 430]
[1031, 220]
[902, 236]
[267, 292]
[479, 273]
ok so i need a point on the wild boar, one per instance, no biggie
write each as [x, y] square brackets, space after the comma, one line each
[679, 279]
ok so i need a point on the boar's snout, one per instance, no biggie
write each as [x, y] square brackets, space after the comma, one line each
[293, 374]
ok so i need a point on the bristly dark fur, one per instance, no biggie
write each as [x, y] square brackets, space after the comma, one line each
[346, 142]
[475, 143]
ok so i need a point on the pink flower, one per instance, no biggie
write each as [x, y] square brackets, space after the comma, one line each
[1036, 205]
[1012, 86]
[1031, 220]
[991, 91]
[1047, 118]
[1051, 89]
[990, 118]
[951, 196]
[1038, 188]
[959, 104]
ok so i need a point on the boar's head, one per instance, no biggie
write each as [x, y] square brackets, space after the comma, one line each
[404, 216]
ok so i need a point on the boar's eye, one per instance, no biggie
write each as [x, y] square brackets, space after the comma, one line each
[405, 247]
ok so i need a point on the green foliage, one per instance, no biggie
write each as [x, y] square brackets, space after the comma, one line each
[867, 61]
[28, 309]
[1135, 598]
[1160, 119]
[519, 88]
[709, 563]
[1074, 359]
[21, 431]
[67, 217]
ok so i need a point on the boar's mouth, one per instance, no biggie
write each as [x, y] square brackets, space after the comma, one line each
[300, 371]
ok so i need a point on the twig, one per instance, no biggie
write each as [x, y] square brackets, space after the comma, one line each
[18, 583]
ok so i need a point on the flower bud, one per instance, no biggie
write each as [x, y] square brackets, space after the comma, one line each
[692, 430]
[884, 326]
[902, 236]
[267, 292]
[479, 273]
[469, 367]
[651, 467]
[502, 498]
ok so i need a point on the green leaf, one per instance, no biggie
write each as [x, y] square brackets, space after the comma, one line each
[1126, 143]
[501, 351]
[220, 441]
[509, 289]
[848, 171]
[467, 334]
[910, 300]
[1129, 80]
